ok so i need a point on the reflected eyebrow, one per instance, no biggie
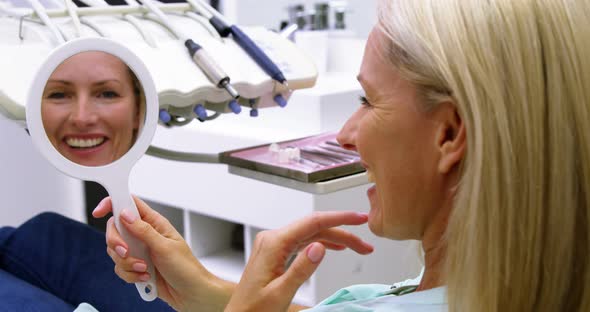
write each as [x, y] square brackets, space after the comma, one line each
[59, 82]
[102, 82]
[98, 83]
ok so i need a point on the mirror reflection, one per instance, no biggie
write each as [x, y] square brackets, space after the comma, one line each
[92, 108]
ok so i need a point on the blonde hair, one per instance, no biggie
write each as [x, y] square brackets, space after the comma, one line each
[519, 74]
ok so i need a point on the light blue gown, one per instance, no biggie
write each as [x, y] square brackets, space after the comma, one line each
[381, 298]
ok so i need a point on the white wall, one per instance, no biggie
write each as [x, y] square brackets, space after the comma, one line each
[29, 184]
[269, 13]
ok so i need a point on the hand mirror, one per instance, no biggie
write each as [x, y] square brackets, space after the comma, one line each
[92, 112]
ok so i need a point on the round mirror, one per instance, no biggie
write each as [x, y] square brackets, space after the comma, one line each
[93, 108]
[92, 111]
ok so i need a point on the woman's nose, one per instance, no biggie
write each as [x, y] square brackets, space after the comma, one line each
[83, 114]
[347, 135]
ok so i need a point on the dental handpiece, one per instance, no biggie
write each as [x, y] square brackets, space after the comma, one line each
[210, 68]
[318, 159]
[241, 38]
[331, 159]
[213, 72]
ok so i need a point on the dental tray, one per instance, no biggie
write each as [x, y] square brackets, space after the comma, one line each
[320, 158]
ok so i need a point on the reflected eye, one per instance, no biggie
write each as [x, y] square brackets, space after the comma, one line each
[364, 102]
[56, 95]
[109, 94]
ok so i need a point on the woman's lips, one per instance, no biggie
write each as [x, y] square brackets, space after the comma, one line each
[371, 191]
[81, 142]
[371, 178]
[81, 148]
[370, 175]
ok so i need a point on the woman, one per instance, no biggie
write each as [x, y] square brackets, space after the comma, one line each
[91, 108]
[475, 128]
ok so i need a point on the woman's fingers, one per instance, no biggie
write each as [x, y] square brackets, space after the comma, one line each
[318, 221]
[330, 245]
[131, 277]
[147, 214]
[103, 208]
[118, 251]
[155, 219]
[265, 280]
[344, 238]
[128, 264]
[114, 239]
[144, 231]
[302, 268]
[321, 226]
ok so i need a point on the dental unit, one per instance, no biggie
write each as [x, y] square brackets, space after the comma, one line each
[259, 61]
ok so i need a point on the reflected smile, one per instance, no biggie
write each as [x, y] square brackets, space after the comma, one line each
[77, 142]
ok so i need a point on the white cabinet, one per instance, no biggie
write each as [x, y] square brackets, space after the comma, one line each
[220, 213]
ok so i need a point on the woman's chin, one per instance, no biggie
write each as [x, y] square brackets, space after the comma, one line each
[374, 221]
[374, 226]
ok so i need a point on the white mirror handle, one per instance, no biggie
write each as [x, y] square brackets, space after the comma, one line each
[137, 249]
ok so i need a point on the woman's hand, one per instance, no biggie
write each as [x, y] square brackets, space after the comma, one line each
[181, 279]
[266, 285]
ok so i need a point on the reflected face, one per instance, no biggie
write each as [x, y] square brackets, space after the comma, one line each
[396, 142]
[90, 108]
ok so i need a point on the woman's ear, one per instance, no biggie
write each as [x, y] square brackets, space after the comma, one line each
[451, 137]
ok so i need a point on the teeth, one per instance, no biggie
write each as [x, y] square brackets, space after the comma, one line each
[84, 143]
[370, 176]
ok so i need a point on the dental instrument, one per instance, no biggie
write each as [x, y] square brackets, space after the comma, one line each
[244, 41]
[199, 56]
[339, 150]
[328, 154]
[6, 10]
[204, 23]
[323, 161]
[42, 14]
[149, 39]
[94, 26]
[332, 160]
[75, 19]
[333, 143]
[94, 3]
